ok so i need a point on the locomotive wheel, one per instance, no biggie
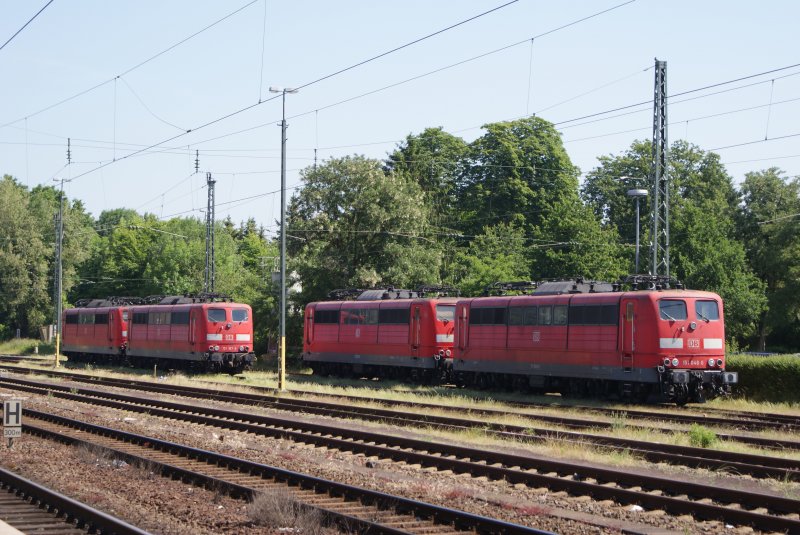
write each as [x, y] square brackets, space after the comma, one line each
[681, 395]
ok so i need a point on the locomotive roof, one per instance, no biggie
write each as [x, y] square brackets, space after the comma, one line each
[577, 286]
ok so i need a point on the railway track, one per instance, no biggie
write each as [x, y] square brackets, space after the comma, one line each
[747, 464]
[771, 422]
[742, 420]
[767, 512]
[33, 508]
[753, 421]
[352, 508]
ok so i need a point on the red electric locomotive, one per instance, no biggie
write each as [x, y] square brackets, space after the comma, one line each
[382, 333]
[582, 338]
[99, 327]
[207, 332]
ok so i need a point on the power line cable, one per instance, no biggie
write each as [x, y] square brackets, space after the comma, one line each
[131, 69]
[25, 25]
[251, 106]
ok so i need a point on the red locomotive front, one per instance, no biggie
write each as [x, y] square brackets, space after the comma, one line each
[213, 335]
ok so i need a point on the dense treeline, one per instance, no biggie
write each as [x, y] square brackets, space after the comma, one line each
[507, 206]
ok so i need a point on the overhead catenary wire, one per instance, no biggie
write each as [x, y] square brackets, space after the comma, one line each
[131, 69]
[251, 106]
[25, 25]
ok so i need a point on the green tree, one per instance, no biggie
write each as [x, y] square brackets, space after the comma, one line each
[25, 303]
[704, 249]
[434, 160]
[768, 225]
[498, 254]
[516, 172]
[519, 173]
[352, 225]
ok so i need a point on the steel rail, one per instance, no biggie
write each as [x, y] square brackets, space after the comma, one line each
[309, 406]
[53, 512]
[746, 464]
[182, 454]
[740, 420]
[599, 482]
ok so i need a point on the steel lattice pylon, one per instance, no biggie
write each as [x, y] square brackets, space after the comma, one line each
[210, 275]
[660, 237]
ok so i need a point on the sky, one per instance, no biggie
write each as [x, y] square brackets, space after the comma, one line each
[138, 87]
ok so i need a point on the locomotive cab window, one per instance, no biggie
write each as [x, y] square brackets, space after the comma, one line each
[445, 312]
[672, 309]
[217, 315]
[706, 310]
[239, 314]
[124, 315]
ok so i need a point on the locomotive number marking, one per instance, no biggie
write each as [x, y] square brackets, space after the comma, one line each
[537, 336]
[693, 343]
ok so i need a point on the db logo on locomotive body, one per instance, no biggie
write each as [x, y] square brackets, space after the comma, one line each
[693, 343]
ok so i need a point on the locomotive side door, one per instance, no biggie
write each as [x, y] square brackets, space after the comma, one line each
[192, 326]
[309, 325]
[110, 326]
[415, 330]
[628, 309]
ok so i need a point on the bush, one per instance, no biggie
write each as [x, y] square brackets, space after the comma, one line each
[773, 378]
[702, 437]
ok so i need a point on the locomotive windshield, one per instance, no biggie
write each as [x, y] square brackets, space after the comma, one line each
[672, 309]
[239, 314]
[216, 315]
[706, 310]
[445, 312]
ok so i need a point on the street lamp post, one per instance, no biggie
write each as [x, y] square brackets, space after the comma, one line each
[637, 194]
[282, 351]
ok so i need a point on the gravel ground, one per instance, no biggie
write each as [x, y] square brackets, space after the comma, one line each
[161, 505]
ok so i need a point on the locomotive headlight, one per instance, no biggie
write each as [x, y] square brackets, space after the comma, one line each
[719, 363]
[447, 353]
[711, 362]
[666, 362]
[216, 348]
[674, 362]
[211, 348]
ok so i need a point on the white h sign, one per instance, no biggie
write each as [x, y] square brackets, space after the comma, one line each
[12, 418]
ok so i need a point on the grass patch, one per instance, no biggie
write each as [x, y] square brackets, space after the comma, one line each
[702, 437]
[25, 346]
